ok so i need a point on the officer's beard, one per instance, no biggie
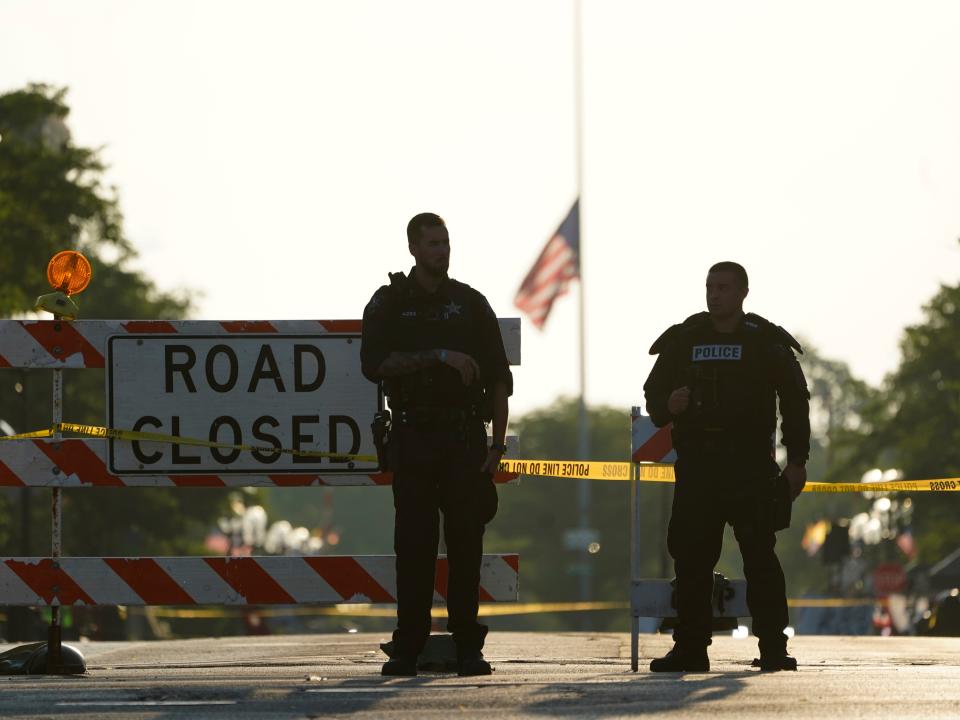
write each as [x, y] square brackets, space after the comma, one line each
[436, 270]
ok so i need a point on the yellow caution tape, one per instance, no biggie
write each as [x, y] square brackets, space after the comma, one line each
[835, 602]
[362, 610]
[103, 432]
[663, 472]
[574, 469]
[938, 485]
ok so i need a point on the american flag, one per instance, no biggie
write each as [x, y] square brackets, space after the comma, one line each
[558, 264]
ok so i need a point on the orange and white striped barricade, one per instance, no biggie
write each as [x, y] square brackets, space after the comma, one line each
[654, 598]
[272, 580]
[243, 388]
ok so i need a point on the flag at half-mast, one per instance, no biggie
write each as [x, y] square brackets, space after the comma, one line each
[558, 264]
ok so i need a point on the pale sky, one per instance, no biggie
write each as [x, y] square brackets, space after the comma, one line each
[269, 154]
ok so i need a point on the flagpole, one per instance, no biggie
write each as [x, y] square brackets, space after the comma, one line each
[583, 494]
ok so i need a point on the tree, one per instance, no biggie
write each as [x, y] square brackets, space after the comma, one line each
[51, 194]
[52, 198]
[916, 424]
[911, 423]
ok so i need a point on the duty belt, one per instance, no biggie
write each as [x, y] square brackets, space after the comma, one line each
[435, 417]
[718, 440]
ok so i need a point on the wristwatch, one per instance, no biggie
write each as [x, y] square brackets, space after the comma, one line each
[498, 446]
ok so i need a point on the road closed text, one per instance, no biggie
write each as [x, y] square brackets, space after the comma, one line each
[268, 391]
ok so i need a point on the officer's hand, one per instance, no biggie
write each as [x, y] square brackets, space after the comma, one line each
[464, 364]
[796, 477]
[492, 461]
[679, 400]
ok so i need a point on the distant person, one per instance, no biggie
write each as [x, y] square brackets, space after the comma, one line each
[435, 344]
[717, 379]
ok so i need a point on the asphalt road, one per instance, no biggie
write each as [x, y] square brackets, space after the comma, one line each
[576, 675]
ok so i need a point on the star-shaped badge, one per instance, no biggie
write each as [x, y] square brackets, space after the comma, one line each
[451, 309]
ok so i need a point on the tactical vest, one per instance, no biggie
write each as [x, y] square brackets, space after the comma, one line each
[730, 376]
[422, 322]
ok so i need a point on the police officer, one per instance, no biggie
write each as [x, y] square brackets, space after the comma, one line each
[435, 344]
[717, 379]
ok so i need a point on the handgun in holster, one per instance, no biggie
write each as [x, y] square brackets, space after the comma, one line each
[381, 425]
[774, 504]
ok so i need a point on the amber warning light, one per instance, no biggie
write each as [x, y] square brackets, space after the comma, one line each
[68, 273]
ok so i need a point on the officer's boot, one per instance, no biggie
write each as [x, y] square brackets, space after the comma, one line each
[400, 665]
[774, 657]
[471, 662]
[682, 658]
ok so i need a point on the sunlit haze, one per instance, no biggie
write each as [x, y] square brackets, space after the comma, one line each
[270, 154]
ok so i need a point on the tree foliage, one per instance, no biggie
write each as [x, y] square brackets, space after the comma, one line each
[52, 198]
[51, 194]
[915, 421]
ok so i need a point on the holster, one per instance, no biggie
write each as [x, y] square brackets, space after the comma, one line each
[774, 504]
[381, 426]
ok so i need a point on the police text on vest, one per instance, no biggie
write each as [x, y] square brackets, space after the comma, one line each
[717, 352]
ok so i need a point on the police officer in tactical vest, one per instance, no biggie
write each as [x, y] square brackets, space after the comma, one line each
[435, 345]
[717, 379]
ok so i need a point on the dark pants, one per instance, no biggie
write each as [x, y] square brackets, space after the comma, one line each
[713, 488]
[438, 470]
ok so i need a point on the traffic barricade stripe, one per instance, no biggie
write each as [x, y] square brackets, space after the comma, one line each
[103, 583]
[77, 459]
[48, 580]
[304, 583]
[8, 478]
[14, 590]
[440, 579]
[145, 327]
[248, 326]
[80, 462]
[250, 580]
[198, 580]
[349, 579]
[149, 581]
[82, 343]
[267, 580]
[648, 442]
[63, 342]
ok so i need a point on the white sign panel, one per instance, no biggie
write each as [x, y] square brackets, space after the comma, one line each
[272, 390]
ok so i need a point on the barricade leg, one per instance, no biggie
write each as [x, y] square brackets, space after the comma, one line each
[634, 566]
[55, 635]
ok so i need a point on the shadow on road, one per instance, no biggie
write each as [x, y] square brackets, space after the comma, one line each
[648, 693]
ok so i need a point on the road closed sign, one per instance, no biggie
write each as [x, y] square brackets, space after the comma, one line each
[301, 392]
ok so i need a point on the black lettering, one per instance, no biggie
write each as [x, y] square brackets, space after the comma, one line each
[354, 431]
[233, 364]
[266, 369]
[178, 457]
[170, 367]
[135, 444]
[225, 457]
[260, 436]
[299, 384]
[298, 437]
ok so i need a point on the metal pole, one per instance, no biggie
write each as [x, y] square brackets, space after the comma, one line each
[583, 449]
[54, 646]
[635, 567]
